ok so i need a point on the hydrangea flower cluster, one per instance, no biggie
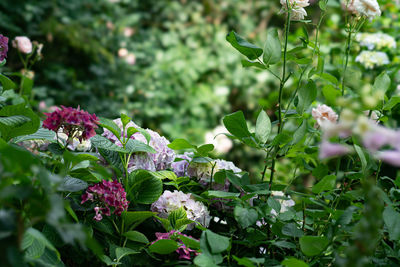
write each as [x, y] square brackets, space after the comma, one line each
[3, 47]
[372, 59]
[158, 161]
[23, 44]
[373, 137]
[324, 113]
[376, 40]
[182, 250]
[75, 123]
[170, 201]
[106, 195]
[296, 8]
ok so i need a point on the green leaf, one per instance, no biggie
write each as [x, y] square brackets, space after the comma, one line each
[9, 131]
[14, 121]
[204, 260]
[216, 242]
[292, 262]
[144, 188]
[179, 143]
[221, 194]
[361, 155]
[136, 217]
[263, 127]
[307, 94]
[392, 221]
[245, 216]
[236, 124]
[125, 119]
[313, 245]
[272, 48]
[38, 242]
[330, 93]
[111, 126]
[189, 242]
[291, 229]
[382, 82]
[300, 132]
[7, 83]
[245, 48]
[326, 184]
[274, 204]
[394, 100]
[131, 131]
[133, 146]
[165, 175]
[145, 134]
[247, 63]
[122, 252]
[164, 246]
[175, 215]
[205, 149]
[136, 236]
[108, 261]
[71, 184]
[42, 134]
[101, 142]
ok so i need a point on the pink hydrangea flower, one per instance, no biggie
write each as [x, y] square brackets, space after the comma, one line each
[3, 47]
[106, 195]
[323, 114]
[75, 123]
[23, 44]
[183, 250]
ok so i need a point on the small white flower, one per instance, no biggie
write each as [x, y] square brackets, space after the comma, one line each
[218, 138]
[367, 8]
[372, 59]
[297, 8]
[123, 52]
[285, 204]
[23, 44]
[376, 40]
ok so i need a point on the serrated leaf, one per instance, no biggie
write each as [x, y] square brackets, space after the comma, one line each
[71, 184]
[143, 187]
[245, 48]
[122, 252]
[41, 134]
[111, 126]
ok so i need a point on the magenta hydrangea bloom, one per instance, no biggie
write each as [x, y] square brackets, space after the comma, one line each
[75, 123]
[3, 47]
[106, 195]
[183, 250]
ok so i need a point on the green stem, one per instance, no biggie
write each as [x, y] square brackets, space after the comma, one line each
[346, 62]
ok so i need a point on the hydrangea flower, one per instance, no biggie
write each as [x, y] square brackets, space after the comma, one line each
[75, 123]
[74, 144]
[323, 113]
[372, 59]
[106, 195]
[23, 44]
[3, 47]
[297, 8]
[376, 40]
[158, 161]
[182, 250]
[180, 167]
[170, 201]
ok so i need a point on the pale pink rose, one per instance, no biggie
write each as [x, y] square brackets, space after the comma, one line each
[367, 8]
[323, 114]
[297, 8]
[328, 150]
[128, 31]
[23, 44]
[123, 52]
[130, 59]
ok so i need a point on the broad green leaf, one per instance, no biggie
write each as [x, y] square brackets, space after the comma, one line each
[249, 262]
[272, 48]
[144, 188]
[131, 131]
[216, 242]
[293, 262]
[108, 261]
[7, 83]
[136, 217]
[330, 93]
[165, 175]
[176, 215]
[236, 124]
[179, 143]
[307, 94]
[300, 132]
[361, 155]
[136, 236]
[245, 48]
[101, 142]
[205, 149]
[392, 221]
[382, 82]
[125, 119]
[263, 127]
[14, 121]
[111, 126]
[393, 101]
[39, 242]
[247, 63]
[42, 134]
[71, 184]
[313, 245]
[326, 184]
[189, 242]
[291, 229]
[221, 194]
[133, 146]
[122, 252]
[164, 246]
[204, 260]
[274, 204]
[245, 216]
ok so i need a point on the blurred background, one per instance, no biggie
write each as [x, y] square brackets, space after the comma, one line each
[164, 62]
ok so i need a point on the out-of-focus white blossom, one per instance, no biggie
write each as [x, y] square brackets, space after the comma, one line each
[376, 40]
[372, 59]
[130, 59]
[285, 203]
[23, 44]
[123, 52]
[170, 201]
[217, 137]
[296, 8]
[323, 114]
[368, 8]
[128, 31]
[75, 144]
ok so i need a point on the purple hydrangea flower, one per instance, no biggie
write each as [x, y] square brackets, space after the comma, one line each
[3, 47]
[106, 195]
[183, 250]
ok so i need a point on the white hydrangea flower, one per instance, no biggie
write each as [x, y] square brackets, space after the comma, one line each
[218, 138]
[170, 201]
[372, 59]
[285, 204]
[76, 145]
[376, 40]
[297, 8]
[324, 113]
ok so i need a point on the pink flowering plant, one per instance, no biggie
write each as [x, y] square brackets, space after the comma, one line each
[323, 189]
